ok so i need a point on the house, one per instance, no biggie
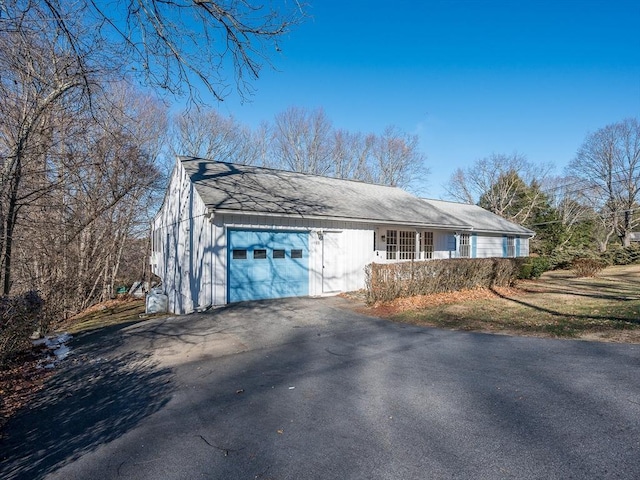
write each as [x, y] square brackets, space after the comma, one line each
[492, 235]
[227, 233]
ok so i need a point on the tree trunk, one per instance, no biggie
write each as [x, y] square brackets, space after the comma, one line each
[10, 223]
[626, 233]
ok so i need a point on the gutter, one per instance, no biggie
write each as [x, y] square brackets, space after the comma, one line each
[211, 213]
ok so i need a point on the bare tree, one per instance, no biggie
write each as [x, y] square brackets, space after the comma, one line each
[171, 45]
[207, 134]
[396, 159]
[508, 185]
[78, 151]
[569, 203]
[301, 141]
[609, 163]
[42, 79]
[73, 239]
[261, 144]
[351, 155]
[304, 141]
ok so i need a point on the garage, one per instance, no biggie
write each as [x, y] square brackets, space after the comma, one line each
[267, 264]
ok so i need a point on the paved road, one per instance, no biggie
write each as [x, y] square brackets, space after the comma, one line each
[307, 389]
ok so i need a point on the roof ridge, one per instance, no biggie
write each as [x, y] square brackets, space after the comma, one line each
[448, 201]
[183, 158]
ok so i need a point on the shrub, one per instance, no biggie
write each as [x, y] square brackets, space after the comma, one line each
[390, 281]
[19, 318]
[533, 267]
[525, 271]
[615, 255]
[539, 265]
[618, 255]
[587, 267]
[563, 258]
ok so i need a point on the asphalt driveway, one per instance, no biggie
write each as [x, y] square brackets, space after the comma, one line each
[306, 389]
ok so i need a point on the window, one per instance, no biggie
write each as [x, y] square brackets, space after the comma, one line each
[392, 244]
[296, 253]
[465, 245]
[401, 245]
[407, 245]
[278, 254]
[511, 246]
[259, 254]
[156, 241]
[426, 245]
[239, 254]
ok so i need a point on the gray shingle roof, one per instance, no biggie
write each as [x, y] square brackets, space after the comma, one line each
[481, 219]
[233, 188]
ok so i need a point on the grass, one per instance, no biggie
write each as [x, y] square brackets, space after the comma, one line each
[119, 311]
[559, 304]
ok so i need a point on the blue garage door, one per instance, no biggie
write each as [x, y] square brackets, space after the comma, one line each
[267, 265]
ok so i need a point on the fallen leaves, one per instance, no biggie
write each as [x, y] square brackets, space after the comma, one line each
[20, 380]
[400, 305]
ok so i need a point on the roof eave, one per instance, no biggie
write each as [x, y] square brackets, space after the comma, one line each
[507, 232]
[343, 219]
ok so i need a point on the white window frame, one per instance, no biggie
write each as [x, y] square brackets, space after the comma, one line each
[465, 245]
[426, 245]
[156, 241]
[401, 244]
[406, 245]
[392, 244]
[511, 246]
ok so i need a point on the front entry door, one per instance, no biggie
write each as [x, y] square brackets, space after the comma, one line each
[332, 263]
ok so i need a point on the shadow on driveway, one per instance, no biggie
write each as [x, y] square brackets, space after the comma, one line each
[84, 405]
[304, 389]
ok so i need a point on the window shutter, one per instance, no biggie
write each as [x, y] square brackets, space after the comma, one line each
[451, 243]
[474, 245]
[504, 246]
[517, 246]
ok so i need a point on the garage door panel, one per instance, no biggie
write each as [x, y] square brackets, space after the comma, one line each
[267, 265]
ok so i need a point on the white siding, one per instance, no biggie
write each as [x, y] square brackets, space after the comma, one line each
[489, 246]
[192, 261]
[184, 259]
[441, 245]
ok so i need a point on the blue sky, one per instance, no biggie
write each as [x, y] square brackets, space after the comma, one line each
[471, 78]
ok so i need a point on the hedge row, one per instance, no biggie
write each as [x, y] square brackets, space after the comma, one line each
[386, 282]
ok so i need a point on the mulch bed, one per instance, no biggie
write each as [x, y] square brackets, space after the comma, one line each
[399, 305]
